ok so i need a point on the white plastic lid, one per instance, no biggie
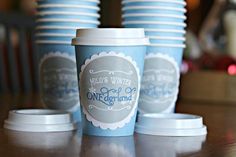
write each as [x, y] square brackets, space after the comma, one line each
[38, 120]
[110, 36]
[170, 125]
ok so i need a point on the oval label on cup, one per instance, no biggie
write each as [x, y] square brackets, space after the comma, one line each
[109, 89]
[58, 81]
[160, 84]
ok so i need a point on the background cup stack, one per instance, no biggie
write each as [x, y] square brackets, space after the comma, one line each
[58, 20]
[164, 24]
[56, 24]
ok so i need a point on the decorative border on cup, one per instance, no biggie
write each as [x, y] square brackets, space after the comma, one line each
[62, 55]
[122, 123]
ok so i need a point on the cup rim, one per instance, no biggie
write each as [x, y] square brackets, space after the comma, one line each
[165, 30]
[58, 27]
[168, 45]
[169, 1]
[167, 38]
[183, 10]
[155, 23]
[96, 1]
[43, 13]
[54, 35]
[66, 20]
[52, 42]
[111, 42]
[68, 6]
[154, 15]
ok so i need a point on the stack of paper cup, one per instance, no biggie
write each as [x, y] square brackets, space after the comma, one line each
[58, 19]
[164, 24]
[56, 24]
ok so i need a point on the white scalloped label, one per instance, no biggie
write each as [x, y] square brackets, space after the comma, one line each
[160, 84]
[58, 81]
[109, 89]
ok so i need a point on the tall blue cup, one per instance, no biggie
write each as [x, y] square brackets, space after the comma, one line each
[160, 82]
[58, 77]
[110, 66]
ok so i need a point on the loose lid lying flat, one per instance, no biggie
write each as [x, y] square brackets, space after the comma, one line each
[38, 120]
[170, 125]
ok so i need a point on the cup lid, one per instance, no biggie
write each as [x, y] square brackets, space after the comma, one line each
[39, 120]
[170, 125]
[165, 1]
[110, 36]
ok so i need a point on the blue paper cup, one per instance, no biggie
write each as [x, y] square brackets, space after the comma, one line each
[154, 10]
[160, 82]
[74, 2]
[162, 3]
[66, 22]
[68, 8]
[154, 25]
[110, 63]
[58, 77]
[153, 17]
[67, 15]
[166, 40]
[165, 32]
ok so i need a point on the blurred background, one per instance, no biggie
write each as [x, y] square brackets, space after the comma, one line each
[208, 70]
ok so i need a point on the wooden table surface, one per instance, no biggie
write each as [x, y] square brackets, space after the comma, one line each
[220, 141]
